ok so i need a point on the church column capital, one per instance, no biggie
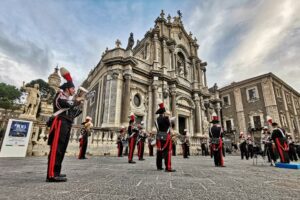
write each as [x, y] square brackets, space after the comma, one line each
[127, 76]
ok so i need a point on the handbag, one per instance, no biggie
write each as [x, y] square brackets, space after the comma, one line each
[162, 135]
[215, 141]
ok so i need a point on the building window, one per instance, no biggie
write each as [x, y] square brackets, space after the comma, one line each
[226, 100]
[257, 122]
[296, 103]
[283, 119]
[288, 99]
[228, 126]
[278, 93]
[294, 124]
[137, 100]
[252, 94]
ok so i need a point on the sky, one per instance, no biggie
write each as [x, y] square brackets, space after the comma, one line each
[239, 39]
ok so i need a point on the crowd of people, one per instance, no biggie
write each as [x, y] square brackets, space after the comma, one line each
[164, 137]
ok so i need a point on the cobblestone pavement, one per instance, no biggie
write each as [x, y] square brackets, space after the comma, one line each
[113, 178]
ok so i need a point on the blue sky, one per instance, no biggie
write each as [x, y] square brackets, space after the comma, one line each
[238, 38]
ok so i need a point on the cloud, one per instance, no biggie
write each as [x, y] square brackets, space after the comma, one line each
[239, 38]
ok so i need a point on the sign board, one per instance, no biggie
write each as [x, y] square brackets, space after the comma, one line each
[16, 138]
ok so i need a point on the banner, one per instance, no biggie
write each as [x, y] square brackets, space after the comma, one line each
[16, 138]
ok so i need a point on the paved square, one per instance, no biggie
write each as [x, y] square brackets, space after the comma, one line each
[113, 178]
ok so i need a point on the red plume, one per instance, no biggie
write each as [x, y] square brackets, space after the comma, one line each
[66, 74]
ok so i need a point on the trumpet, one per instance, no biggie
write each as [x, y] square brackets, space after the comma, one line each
[82, 92]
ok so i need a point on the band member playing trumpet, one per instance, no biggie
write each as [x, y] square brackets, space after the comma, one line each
[132, 136]
[65, 110]
[85, 132]
[141, 141]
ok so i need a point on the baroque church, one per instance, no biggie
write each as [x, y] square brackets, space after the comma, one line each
[163, 66]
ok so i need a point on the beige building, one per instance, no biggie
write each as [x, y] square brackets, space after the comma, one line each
[246, 105]
[163, 65]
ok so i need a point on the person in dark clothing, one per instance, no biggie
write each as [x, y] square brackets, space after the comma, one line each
[250, 146]
[120, 141]
[163, 140]
[65, 110]
[216, 135]
[278, 136]
[151, 142]
[243, 147]
[85, 132]
[185, 144]
[268, 149]
[292, 149]
[141, 141]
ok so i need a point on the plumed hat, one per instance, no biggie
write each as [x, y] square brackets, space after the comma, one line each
[161, 109]
[67, 76]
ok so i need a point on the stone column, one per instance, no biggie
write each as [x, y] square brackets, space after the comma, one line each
[156, 44]
[154, 101]
[204, 71]
[173, 96]
[200, 72]
[126, 99]
[287, 114]
[197, 114]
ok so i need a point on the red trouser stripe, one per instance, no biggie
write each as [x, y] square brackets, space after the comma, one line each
[54, 148]
[139, 150]
[279, 149]
[221, 152]
[119, 149]
[169, 155]
[130, 155]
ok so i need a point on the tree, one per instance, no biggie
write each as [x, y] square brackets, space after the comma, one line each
[8, 94]
[46, 91]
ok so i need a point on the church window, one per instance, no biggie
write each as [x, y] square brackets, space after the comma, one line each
[137, 100]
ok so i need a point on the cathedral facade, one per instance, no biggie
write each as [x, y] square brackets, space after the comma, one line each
[163, 66]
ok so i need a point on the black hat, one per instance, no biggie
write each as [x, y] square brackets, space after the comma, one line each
[66, 85]
[161, 109]
[274, 124]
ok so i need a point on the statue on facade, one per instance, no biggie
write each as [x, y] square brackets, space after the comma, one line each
[32, 102]
[205, 125]
[130, 42]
